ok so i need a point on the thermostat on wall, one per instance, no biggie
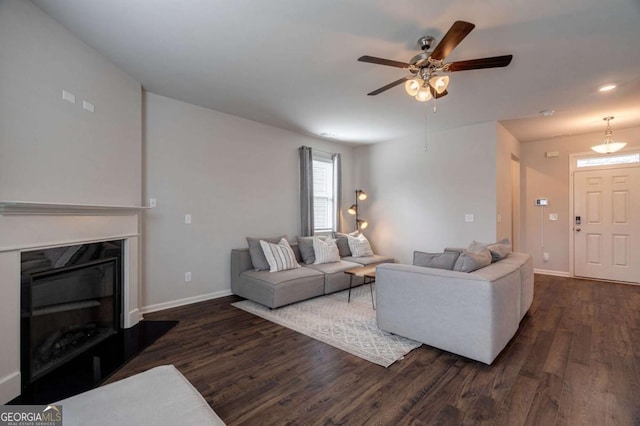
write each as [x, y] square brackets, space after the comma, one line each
[542, 202]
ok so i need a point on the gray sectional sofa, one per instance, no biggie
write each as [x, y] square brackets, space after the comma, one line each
[274, 289]
[473, 314]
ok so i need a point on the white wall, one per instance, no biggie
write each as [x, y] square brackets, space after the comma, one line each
[549, 178]
[52, 150]
[507, 147]
[236, 177]
[418, 200]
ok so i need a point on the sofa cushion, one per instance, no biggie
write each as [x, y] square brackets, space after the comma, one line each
[369, 260]
[305, 245]
[359, 246]
[279, 256]
[444, 260]
[326, 250]
[258, 260]
[274, 289]
[470, 261]
[281, 276]
[333, 267]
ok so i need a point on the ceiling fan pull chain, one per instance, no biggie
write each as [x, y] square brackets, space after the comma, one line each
[426, 129]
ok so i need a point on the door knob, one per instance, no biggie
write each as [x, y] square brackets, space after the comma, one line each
[577, 229]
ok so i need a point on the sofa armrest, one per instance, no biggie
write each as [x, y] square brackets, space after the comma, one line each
[240, 262]
[464, 313]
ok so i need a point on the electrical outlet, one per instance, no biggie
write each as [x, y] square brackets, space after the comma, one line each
[468, 217]
[187, 219]
[545, 256]
[553, 216]
[187, 277]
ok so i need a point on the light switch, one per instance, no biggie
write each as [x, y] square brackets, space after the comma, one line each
[187, 219]
[153, 202]
[468, 217]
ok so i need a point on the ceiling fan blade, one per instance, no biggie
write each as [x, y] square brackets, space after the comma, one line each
[476, 64]
[381, 61]
[387, 87]
[458, 31]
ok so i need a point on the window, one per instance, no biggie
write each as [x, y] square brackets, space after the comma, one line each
[323, 193]
[608, 160]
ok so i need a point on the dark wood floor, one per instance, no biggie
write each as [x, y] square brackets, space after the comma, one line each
[574, 361]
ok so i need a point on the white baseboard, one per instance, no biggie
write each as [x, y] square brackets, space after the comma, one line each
[550, 272]
[135, 317]
[185, 301]
[10, 387]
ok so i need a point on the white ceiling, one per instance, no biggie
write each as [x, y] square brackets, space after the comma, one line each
[292, 63]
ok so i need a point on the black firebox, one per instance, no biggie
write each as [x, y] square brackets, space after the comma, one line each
[70, 301]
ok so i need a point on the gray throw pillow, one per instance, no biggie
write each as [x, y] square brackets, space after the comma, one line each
[470, 261]
[476, 247]
[444, 260]
[343, 244]
[500, 249]
[258, 260]
[305, 245]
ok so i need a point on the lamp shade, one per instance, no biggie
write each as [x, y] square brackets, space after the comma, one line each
[424, 94]
[361, 195]
[362, 224]
[353, 209]
[412, 86]
[608, 147]
[439, 83]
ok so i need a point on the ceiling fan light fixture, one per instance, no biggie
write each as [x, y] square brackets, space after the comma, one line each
[413, 86]
[439, 83]
[608, 146]
[424, 94]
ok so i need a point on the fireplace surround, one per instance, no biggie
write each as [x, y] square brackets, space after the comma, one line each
[26, 227]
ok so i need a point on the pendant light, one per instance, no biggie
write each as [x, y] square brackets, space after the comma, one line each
[608, 146]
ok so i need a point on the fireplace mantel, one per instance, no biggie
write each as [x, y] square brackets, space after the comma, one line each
[33, 208]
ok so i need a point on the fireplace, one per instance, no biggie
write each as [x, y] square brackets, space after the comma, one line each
[70, 301]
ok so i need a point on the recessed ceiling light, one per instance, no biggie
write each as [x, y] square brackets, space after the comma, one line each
[607, 87]
[547, 112]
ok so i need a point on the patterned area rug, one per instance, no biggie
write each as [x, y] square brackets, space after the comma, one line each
[350, 327]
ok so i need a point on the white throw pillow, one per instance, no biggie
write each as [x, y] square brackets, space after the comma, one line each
[359, 246]
[280, 257]
[325, 250]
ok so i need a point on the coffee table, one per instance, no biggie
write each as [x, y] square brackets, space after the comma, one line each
[367, 273]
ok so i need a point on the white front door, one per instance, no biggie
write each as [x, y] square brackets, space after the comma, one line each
[606, 226]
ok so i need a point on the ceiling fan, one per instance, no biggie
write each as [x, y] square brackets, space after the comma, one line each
[425, 80]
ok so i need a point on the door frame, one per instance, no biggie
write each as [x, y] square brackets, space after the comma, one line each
[573, 160]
